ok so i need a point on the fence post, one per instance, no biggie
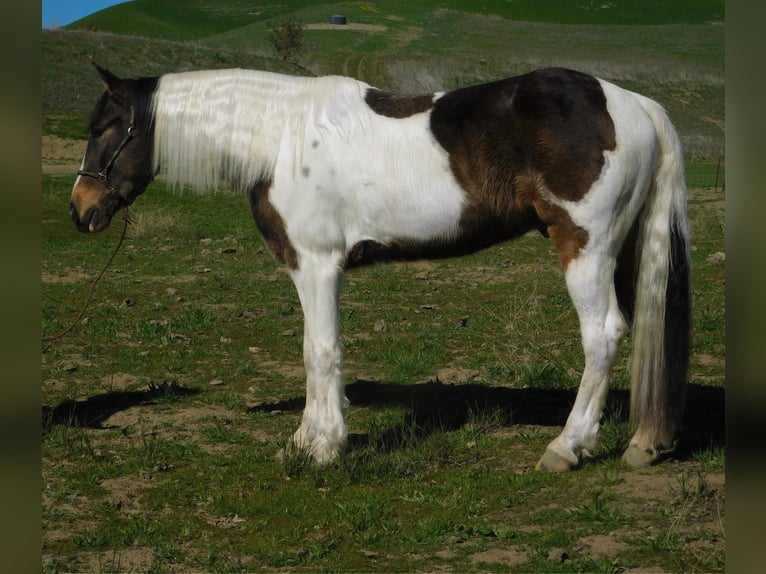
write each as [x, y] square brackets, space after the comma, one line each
[717, 171]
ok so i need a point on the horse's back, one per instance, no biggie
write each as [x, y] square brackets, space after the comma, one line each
[472, 167]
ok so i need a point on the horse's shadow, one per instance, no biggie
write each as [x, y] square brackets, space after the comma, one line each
[430, 408]
[93, 411]
[433, 407]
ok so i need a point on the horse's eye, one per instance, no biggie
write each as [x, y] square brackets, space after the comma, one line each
[98, 129]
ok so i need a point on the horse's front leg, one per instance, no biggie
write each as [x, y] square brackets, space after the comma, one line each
[322, 433]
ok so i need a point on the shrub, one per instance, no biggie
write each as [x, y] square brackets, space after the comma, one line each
[287, 39]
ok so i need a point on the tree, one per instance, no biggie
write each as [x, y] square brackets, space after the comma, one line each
[287, 38]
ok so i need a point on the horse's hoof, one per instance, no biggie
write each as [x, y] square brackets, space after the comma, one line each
[554, 462]
[323, 454]
[638, 457]
[293, 455]
[320, 453]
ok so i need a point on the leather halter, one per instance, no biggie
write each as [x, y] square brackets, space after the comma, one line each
[103, 175]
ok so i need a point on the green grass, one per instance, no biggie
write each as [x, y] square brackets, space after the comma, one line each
[164, 423]
[706, 174]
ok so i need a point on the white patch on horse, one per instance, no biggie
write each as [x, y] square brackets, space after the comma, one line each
[360, 183]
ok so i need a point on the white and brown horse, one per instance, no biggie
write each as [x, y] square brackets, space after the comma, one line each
[340, 174]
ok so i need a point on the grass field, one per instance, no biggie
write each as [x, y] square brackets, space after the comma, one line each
[164, 409]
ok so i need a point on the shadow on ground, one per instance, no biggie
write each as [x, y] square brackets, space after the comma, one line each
[434, 406]
[93, 411]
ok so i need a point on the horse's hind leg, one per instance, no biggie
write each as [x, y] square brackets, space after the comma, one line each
[322, 433]
[590, 280]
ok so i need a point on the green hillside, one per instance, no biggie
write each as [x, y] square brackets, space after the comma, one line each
[70, 85]
[180, 19]
[193, 19]
[673, 52]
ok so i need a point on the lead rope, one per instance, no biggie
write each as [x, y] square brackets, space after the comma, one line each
[126, 220]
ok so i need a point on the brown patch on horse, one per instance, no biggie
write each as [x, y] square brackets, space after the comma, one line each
[271, 225]
[86, 195]
[567, 236]
[393, 106]
[92, 205]
[521, 145]
[563, 116]
[370, 251]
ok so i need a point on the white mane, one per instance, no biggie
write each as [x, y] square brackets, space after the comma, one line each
[218, 127]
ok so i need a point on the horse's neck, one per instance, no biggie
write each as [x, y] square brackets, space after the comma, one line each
[223, 127]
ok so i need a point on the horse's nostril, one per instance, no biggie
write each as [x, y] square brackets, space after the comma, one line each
[73, 214]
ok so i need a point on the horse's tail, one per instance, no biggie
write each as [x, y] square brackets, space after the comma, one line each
[662, 314]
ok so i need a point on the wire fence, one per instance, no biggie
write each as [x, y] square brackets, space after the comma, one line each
[706, 174]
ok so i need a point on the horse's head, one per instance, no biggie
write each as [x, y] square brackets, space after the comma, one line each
[117, 165]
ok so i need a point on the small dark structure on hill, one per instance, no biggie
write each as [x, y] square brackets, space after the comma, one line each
[338, 20]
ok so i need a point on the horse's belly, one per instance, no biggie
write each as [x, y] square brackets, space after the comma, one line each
[413, 212]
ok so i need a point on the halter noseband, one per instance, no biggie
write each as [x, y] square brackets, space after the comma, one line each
[103, 175]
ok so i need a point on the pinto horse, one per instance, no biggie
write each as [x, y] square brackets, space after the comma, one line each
[341, 174]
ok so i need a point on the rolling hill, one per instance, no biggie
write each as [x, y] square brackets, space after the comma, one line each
[673, 52]
[194, 19]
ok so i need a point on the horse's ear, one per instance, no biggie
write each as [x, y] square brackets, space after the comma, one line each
[108, 78]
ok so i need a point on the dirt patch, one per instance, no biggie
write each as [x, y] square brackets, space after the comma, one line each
[67, 276]
[61, 155]
[707, 360]
[124, 493]
[119, 381]
[707, 197]
[456, 376]
[138, 559]
[601, 545]
[349, 26]
[284, 369]
[149, 417]
[505, 556]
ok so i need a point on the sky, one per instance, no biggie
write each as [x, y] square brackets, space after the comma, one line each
[63, 12]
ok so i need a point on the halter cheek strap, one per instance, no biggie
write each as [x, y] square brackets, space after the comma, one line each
[103, 175]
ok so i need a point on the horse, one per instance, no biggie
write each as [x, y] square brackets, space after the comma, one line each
[341, 174]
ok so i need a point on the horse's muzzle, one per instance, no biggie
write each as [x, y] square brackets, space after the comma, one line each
[91, 221]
